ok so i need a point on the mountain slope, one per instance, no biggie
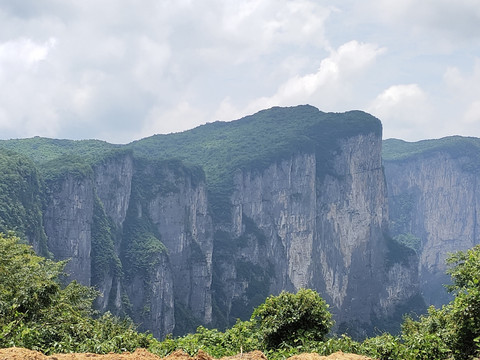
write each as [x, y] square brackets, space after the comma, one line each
[199, 227]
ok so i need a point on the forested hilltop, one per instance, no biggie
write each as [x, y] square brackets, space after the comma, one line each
[219, 148]
[199, 227]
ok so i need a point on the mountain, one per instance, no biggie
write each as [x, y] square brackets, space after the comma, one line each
[434, 198]
[201, 226]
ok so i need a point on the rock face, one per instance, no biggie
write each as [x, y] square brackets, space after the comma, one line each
[113, 185]
[351, 228]
[68, 220]
[434, 199]
[174, 207]
[147, 233]
[152, 244]
[294, 227]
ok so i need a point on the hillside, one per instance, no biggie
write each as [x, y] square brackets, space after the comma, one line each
[199, 227]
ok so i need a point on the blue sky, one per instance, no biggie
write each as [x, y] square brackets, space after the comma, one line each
[120, 70]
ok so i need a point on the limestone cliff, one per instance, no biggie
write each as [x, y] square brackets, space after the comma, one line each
[294, 226]
[68, 219]
[169, 205]
[434, 197]
[283, 199]
[140, 233]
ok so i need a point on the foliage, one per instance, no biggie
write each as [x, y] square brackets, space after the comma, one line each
[37, 313]
[256, 142]
[103, 254]
[427, 338]
[287, 317]
[398, 252]
[42, 150]
[60, 167]
[464, 311]
[456, 146]
[289, 324]
[143, 247]
[409, 240]
[453, 330]
[21, 199]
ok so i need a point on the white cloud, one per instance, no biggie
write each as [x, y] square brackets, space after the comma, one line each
[333, 83]
[22, 55]
[438, 25]
[177, 119]
[24, 103]
[463, 92]
[472, 115]
[405, 110]
[115, 69]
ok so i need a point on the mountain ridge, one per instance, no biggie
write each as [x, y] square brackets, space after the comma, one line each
[201, 231]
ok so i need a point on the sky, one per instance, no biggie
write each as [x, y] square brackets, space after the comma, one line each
[121, 70]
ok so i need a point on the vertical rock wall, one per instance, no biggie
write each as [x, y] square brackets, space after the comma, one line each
[84, 221]
[323, 231]
[435, 200]
[68, 220]
[181, 218]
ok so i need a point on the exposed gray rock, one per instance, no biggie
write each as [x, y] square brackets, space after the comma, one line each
[67, 220]
[113, 184]
[153, 303]
[434, 199]
[181, 218]
[322, 231]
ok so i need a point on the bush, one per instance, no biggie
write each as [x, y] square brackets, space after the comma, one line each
[453, 330]
[285, 318]
[37, 313]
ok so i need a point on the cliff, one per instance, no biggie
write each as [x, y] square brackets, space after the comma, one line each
[433, 199]
[283, 199]
[294, 227]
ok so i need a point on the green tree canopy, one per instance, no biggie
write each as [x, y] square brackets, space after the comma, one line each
[37, 313]
[287, 317]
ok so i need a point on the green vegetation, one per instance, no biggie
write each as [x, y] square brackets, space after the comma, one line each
[104, 258]
[398, 252]
[276, 327]
[21, 199]
[36, 312]
[409, 240]
[256, 142]
[287, 317]
[219, 148]
[42, 150]
[455, 146]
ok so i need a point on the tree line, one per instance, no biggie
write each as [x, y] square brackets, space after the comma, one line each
[39, 313]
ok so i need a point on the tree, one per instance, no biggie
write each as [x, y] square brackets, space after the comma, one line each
[36, 312]
[288, 317]
[453, 330]
[464, 311]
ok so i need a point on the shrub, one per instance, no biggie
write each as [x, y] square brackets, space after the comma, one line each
[289, 317]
